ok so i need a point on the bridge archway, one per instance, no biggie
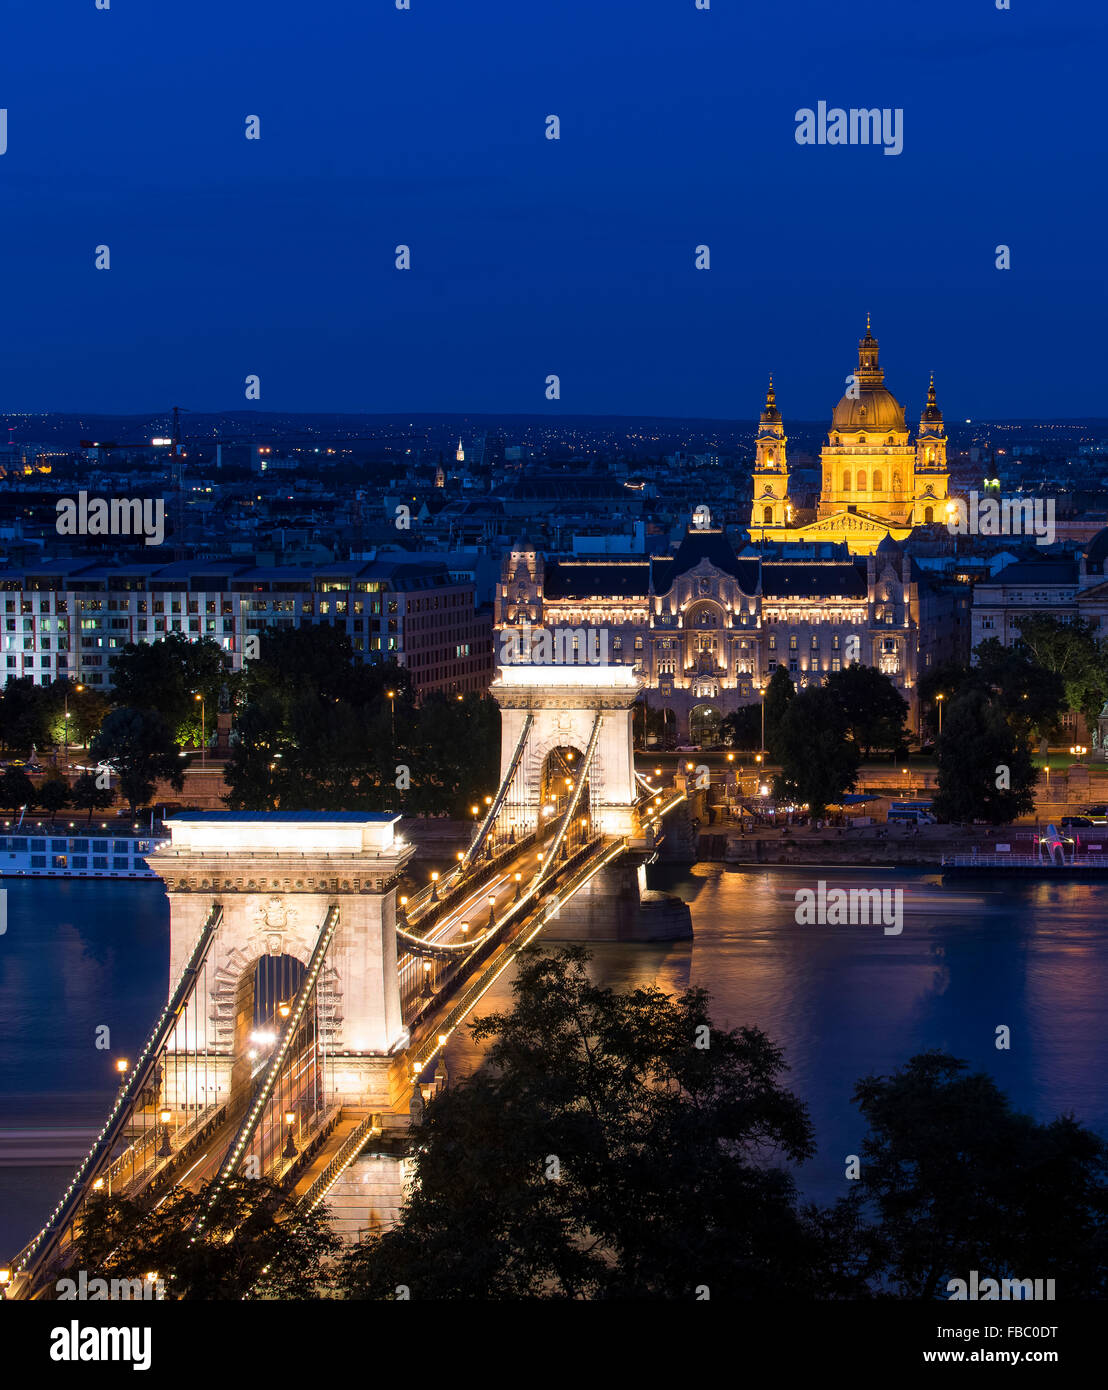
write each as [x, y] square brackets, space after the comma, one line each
[572, 708]
[276, 879]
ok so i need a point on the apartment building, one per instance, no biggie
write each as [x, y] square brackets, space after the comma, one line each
[69, 618]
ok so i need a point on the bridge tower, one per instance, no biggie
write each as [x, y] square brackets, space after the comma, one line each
[276, 876]
[567, 706]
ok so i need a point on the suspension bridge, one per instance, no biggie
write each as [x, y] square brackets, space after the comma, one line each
[308, 1004]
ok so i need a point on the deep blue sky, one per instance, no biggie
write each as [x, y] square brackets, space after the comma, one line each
[427, 127]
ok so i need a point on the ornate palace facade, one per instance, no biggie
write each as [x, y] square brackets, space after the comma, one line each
[707, 628]
[877, 483]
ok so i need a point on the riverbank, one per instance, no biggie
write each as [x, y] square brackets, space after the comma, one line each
[909, 846]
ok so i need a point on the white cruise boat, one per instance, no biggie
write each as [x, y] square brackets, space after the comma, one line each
[76, 851]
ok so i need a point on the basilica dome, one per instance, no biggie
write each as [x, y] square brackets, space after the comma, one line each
[868, 404]
[875, 409]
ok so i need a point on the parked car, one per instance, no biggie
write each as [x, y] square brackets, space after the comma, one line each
[1097, 814]
[1077, 823]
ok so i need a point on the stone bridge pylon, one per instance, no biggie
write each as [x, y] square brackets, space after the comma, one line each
[276, 875]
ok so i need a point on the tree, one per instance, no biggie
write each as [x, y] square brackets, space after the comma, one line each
[24, 714]
[985, 769]
[318, 732]
[1030, 696]
[615, 1145]
[777, 696]
[167, 675]
[253, 1243]
[17, 789]
[138, 744]
[874, 711]
[1073, 652]
[742, 728]
[819, 762]
[960, 1181]
[53, 794]
[87, 795]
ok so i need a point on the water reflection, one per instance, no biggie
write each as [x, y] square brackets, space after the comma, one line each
[846, 1001]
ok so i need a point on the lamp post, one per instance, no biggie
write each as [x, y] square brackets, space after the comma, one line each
[290, 1145]
[939, 698]
[762, 702]
[203, 729]
[76, 688]
[392, 709]
[165, 1115]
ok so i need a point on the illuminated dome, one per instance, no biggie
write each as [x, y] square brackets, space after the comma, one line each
[876, 408]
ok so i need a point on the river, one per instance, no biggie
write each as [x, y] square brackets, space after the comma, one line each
[841, 1001]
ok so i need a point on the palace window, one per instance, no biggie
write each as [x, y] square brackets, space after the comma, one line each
[846, 481]
[862, 479]
[877, 480]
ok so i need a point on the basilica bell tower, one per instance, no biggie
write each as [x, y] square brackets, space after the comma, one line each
[771, 509]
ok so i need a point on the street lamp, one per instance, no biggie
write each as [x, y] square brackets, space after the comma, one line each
[939, 698]
[203, 729]
[392, 709]
[519, 879]
[76, 688]
[290, 1146]
[165, 1115]
[492, 912]
[435, 887]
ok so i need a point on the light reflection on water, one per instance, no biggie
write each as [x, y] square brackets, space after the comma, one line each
[840, 1001]
[846, 1001]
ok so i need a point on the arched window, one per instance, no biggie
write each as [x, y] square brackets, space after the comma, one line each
[767, 516]
[928, 515]
[877, 480]
[846, 481]
[861, 480]
[931, 456]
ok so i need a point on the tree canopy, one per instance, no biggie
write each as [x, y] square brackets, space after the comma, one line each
[819, 762]
[139, 746]
[319, 732]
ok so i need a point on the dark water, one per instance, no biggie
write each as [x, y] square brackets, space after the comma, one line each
[840, 1001]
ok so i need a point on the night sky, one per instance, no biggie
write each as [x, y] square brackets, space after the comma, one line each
[532, 256]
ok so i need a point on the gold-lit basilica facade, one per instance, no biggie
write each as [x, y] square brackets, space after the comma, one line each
[876, 482]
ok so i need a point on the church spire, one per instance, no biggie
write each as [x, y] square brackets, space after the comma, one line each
[770, 414]
[932, 415]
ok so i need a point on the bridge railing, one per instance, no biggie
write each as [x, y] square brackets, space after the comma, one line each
[424, 980]
[347, 1152]
[461, 886]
